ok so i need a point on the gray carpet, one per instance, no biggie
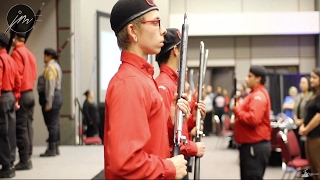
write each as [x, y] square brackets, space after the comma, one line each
[86, 162]
[220, 162]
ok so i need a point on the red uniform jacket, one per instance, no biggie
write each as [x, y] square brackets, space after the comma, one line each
[168, 83]
[135, 136]
[253, 117]
[10, 79]
[27, 66]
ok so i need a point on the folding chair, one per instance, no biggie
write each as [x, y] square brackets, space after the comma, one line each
[290, 152]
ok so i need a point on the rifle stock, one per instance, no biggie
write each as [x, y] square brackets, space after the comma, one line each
[178, 137]
[64, 45]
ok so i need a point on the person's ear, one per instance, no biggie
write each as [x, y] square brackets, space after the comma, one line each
[175, 50]
[131, 29]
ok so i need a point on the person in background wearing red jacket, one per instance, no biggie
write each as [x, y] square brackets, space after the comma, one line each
[135, 133]
[27, 68]
[10, 83]
[226, 97]
[252, 126]
[168, 60]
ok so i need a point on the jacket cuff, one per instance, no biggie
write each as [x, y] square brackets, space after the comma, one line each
[190, 150]
[170, 170]
[49, 104]
[236, 110]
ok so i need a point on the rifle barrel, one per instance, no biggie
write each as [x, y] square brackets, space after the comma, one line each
[35, 22]
[178, 137]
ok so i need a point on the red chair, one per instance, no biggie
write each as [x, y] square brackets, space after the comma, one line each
[222, 134]
[89, 140]
[290, 152]
[274, 142]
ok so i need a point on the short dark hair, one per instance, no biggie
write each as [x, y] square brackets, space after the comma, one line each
[163, 58]
[2, 45]
[263, 80]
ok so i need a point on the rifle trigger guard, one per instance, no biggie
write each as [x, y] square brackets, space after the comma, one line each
[184, 139]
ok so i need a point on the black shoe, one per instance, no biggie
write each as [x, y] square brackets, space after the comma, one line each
[23, 165]
[51, 151]
[7, 172]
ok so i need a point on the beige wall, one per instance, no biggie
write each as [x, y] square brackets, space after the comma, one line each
[242, 51]
[84, 23]
[43, 35]
[228, 6]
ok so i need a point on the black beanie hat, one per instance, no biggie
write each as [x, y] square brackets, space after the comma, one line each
[50, 52]
[171, 39]
[124, 11]
[4, 39]
[258, 70]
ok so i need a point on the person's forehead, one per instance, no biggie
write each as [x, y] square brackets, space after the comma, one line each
[154, 14]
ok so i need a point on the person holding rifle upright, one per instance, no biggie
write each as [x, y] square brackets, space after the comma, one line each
[168, 60]
[135, 134]
[27, 68]
[50, 99]
[10, 83]
[252, 126]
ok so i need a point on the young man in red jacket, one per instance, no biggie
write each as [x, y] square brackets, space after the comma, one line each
[136, 135]
[27, 68]
[10, 83]
[168, 60]
[252, 126]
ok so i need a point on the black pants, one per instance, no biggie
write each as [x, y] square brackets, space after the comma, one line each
[52, 117]
[207, 124]
[24, 125]
[301, 143]
[92, 130]
[7, 129]
[254, 160]
[219, 114]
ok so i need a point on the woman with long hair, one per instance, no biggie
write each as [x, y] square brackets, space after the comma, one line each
[299, 108]
[311, 125]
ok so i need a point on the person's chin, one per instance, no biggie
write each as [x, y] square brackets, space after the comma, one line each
[155, 51]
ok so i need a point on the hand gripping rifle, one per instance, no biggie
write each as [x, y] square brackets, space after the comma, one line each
[202, 69]
[178, 137]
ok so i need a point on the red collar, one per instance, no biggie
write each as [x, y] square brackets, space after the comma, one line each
[138, 62]
[258, 87]
[170, 72]
[3, 51]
